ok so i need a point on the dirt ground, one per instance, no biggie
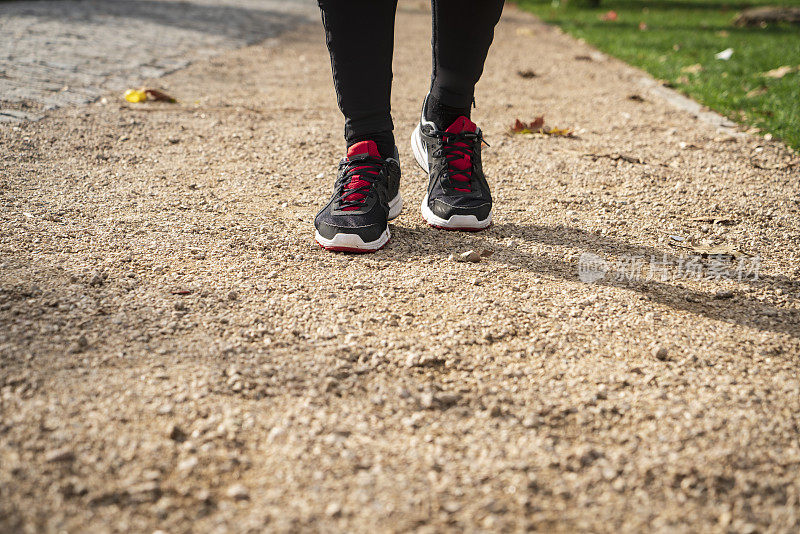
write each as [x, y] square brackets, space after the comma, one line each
[177, 354]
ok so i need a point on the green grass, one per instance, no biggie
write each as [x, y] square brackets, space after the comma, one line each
[683, 33]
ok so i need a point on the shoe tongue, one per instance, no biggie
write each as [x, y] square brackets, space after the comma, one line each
[461, 125]
[364, 148]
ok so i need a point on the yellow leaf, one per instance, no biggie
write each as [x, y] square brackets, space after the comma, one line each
[135, 95]
[563, 132]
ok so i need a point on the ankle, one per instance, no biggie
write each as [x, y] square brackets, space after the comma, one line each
[441, 114]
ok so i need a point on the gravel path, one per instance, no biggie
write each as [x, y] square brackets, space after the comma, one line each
[178, 355]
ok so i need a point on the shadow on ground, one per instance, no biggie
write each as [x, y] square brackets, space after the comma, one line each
[738, 309]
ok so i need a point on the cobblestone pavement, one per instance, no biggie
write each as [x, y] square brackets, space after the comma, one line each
[56, 53]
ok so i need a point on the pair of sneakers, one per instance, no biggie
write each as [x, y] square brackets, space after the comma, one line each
[367, 190]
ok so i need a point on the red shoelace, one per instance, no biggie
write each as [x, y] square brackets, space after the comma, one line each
[457, 148]
[366, 164]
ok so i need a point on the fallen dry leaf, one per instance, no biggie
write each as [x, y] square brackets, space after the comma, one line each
[526, 74]
[537, 126]
[718, 251]
[636, 98]
[616, 157]
[537, 123]
[780, 72]
[758, 91]
[182, 292]
[714, 219]
[159, 96]
[693, 69]
[136, 96]
[561, 132]
[609, 16]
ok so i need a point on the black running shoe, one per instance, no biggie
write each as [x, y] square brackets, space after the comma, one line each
[458, 195]
[365, 197]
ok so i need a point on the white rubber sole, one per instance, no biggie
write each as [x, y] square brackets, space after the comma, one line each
[455, 222]
[395, 206]
[353, 243]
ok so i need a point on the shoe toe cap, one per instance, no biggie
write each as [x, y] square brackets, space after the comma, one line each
[367, 233]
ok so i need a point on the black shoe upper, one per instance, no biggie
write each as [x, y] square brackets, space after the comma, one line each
[365, 185]
[457, 185]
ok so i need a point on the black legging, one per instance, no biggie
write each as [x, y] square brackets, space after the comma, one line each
[360, 36]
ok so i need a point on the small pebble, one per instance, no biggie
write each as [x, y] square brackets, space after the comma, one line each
[334, 509]
[412, 360]
[451, 507]
[188, 464]
[176, 433]
[660, 353]
[80, 345]
[97, 279]
[59, 455]
[469, 256]
[238, 492]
